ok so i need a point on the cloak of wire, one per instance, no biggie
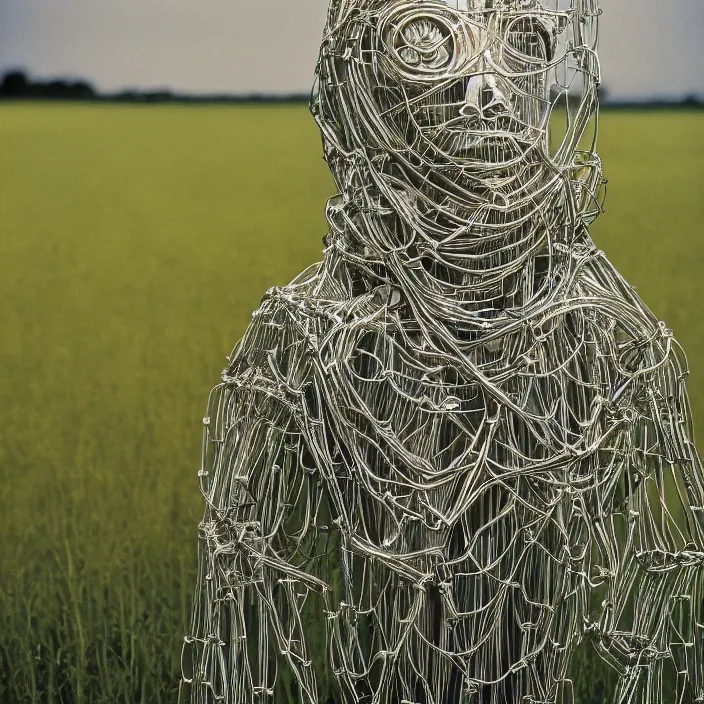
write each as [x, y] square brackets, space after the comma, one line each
[460, 445]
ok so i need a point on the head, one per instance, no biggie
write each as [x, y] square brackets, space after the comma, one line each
[463, 93]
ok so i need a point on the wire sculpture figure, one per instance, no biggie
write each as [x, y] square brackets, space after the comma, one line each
[460, 445]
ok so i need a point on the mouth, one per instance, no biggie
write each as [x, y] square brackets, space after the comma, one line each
[497, 141]
[491, 148]
[486, 147]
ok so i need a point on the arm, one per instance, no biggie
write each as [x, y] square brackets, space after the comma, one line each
[652, 620]
[247, 640]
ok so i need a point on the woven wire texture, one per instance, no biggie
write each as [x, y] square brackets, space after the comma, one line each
[460, 446]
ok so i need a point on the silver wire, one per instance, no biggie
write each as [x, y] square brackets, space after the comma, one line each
[461, 445]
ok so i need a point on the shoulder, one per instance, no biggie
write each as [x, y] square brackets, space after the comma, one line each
[622, 315]
[280, 343]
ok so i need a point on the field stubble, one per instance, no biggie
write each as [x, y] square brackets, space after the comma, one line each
[135, 243]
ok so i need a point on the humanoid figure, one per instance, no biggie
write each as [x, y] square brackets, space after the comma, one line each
[460, 445]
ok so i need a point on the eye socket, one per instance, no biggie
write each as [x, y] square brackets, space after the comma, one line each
[424, 44]
[427, 41]
[529, 37]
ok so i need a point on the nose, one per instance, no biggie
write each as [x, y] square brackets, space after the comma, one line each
[483, 96]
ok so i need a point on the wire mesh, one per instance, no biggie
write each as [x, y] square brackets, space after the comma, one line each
[461, 445]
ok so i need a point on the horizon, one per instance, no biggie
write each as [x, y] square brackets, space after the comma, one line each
[606, 100]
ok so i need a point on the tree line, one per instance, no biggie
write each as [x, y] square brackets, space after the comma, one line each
[17, 85]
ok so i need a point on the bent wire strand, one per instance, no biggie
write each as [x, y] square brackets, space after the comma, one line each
[460, 446]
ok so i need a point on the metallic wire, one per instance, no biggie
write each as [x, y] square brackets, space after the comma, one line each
[461, 445]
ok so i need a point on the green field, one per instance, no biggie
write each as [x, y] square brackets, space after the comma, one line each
[134, 243]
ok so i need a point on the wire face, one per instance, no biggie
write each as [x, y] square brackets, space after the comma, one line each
[461, 445]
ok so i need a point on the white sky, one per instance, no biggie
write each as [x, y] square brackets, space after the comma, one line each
[243, 46]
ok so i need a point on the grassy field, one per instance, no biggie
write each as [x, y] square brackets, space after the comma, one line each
[134, 243]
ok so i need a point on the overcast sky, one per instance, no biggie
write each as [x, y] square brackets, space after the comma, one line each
[649, 48]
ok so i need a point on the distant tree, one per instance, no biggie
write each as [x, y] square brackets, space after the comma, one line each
[692, 101]
[14, 85]
[53, 89]
[126, 96]
[65, 90]
[158, 96]
[81, 90]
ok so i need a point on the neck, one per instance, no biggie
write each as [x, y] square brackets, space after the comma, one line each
[451, 252]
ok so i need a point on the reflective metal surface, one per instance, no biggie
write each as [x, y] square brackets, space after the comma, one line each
[460, 445]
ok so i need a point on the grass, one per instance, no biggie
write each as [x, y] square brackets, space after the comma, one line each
[134, 243]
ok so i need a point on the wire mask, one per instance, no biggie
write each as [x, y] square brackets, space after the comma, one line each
[461, 445]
